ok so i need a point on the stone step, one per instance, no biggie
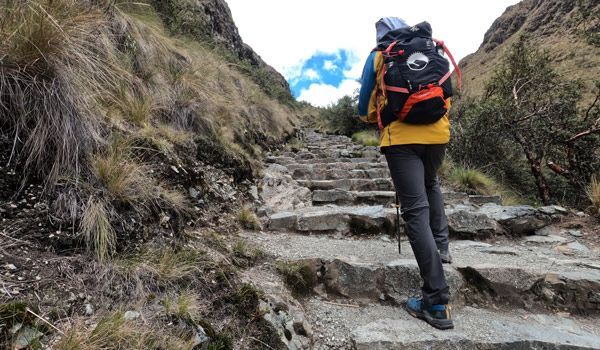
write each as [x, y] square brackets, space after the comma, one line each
[335, 219]
[380, 184]
[334, 153]
[341, 197]
[475, 329]
[387, 198]
[464, 221]
[508, 275]
[339, 174]
[344, 165]
[280, 160]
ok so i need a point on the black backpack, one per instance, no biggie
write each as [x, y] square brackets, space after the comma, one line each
[416, 76]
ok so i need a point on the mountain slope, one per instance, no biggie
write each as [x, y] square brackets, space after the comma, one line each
[128, 152]
[211, 21]
[568, 29]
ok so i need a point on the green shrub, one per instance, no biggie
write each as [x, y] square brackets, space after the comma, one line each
[342, 116]
[367, 138]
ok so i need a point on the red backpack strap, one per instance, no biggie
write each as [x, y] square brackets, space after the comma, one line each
[458, 72]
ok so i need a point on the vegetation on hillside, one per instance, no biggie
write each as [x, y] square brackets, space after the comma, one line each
[341, 117]
[94, 100]
[119, 138]
[530, 130]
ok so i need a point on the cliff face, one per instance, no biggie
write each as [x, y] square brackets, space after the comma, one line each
[568, 29]
[210, 21]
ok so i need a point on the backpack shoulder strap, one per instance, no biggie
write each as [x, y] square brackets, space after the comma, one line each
[458, 72]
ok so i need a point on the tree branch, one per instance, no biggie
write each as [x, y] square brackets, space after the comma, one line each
[582, 134]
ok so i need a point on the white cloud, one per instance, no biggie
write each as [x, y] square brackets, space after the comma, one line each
[329, 65]
[311, 74]
[323, 94]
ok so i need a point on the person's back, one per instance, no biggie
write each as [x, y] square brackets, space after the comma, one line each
[413, 139]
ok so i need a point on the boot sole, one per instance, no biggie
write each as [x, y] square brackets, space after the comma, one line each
[439, 324]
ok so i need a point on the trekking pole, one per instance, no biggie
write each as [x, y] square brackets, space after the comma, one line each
[398, 224]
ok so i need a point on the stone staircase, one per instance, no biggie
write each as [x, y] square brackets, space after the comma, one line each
[518, 280]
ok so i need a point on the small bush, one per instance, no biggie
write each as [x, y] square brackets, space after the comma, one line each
[367, 138]
[472, 181]
[593, 192]
[248, 219]
[342, 116]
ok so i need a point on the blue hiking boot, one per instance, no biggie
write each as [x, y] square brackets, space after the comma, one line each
[437, 316]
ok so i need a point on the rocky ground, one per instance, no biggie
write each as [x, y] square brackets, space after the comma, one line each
[523, 277]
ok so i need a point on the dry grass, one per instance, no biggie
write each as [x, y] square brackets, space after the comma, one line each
[593, 193]
[138, 109]
[125, 180]
[114, 332]
[299, 276]
[248, 219]
[97, 231]
[52, 69]
[245, 256]
[184, 306]
[171, 265]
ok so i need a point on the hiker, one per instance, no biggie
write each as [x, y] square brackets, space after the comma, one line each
[406, 90]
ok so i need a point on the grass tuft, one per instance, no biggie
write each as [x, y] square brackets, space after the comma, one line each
[299, 276]
[593, 193]
[243, 256]
[124, 180]
[185, 306]
[248, 219]
[472, 181]
[246, 299]
[367, 138]
[172, 265]
[97, 231]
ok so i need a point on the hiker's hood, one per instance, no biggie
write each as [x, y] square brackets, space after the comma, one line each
[387, 24]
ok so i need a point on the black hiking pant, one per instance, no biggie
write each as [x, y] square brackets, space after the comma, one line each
[414, 172]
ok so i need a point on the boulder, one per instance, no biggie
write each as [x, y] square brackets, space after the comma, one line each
[470, 224]
[520, 219]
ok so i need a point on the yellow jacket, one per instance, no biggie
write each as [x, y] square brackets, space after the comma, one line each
[398, 133]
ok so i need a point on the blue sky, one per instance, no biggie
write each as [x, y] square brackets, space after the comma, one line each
[299, 38]
[325, 76]
[322, 68]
